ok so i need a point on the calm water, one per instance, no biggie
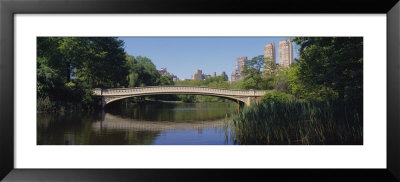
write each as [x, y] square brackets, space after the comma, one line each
[124, 123]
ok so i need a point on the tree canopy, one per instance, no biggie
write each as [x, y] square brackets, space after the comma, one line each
[333, 63]
[68, 68]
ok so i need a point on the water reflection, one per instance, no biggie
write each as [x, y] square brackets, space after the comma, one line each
[124, 123]
[113, 122]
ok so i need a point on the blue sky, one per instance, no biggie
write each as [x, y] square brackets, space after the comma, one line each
[183, 55]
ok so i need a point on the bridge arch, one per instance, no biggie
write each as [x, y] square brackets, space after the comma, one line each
[115, 98]
[244, 96]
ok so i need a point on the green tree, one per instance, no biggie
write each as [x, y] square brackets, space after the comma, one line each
[166, 80]
[149, 74]
[290, 77]
[69, 67]
[252, 70]
[133, 75]
[72, 50]
[49, 55]
[142, 72]
[334, 63]
[270, 67]
[104, 64]
[48, 82]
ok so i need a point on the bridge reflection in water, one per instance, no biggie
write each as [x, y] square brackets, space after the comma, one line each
[113, 122]
[125, 123]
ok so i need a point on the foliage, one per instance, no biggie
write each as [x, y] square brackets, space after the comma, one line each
[270, 67]
[166, 80]
[187, 98]
[48, 81]
[142, 72]
[69, 67]
[214, 82]
[317, 100]
[287, 80]
[292, 121]
[252, 70]
[277, 96]
[260, 74]
[333, 63]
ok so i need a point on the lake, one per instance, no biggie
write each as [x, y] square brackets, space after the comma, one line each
[147, 123]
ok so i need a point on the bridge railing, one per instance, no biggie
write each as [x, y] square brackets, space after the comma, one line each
[177, 89]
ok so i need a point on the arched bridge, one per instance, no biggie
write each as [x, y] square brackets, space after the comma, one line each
[110, 95]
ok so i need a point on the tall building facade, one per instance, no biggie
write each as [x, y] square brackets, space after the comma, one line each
[240, 63]
[198, 75]
[235, 76]
[285, 53]
[269, 52]
[237, 73]
[269, 57]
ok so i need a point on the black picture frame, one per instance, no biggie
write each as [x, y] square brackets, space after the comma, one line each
[8, 8]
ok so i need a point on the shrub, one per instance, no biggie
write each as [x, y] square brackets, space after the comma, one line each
[277, 96]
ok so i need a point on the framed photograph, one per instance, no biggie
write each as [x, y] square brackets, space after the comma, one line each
[174, 90]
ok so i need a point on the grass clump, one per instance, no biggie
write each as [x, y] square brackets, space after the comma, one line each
[285, 122]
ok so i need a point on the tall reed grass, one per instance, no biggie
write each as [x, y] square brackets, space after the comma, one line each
[298, 122]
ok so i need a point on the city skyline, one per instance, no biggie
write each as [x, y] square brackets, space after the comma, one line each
[214, 54]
